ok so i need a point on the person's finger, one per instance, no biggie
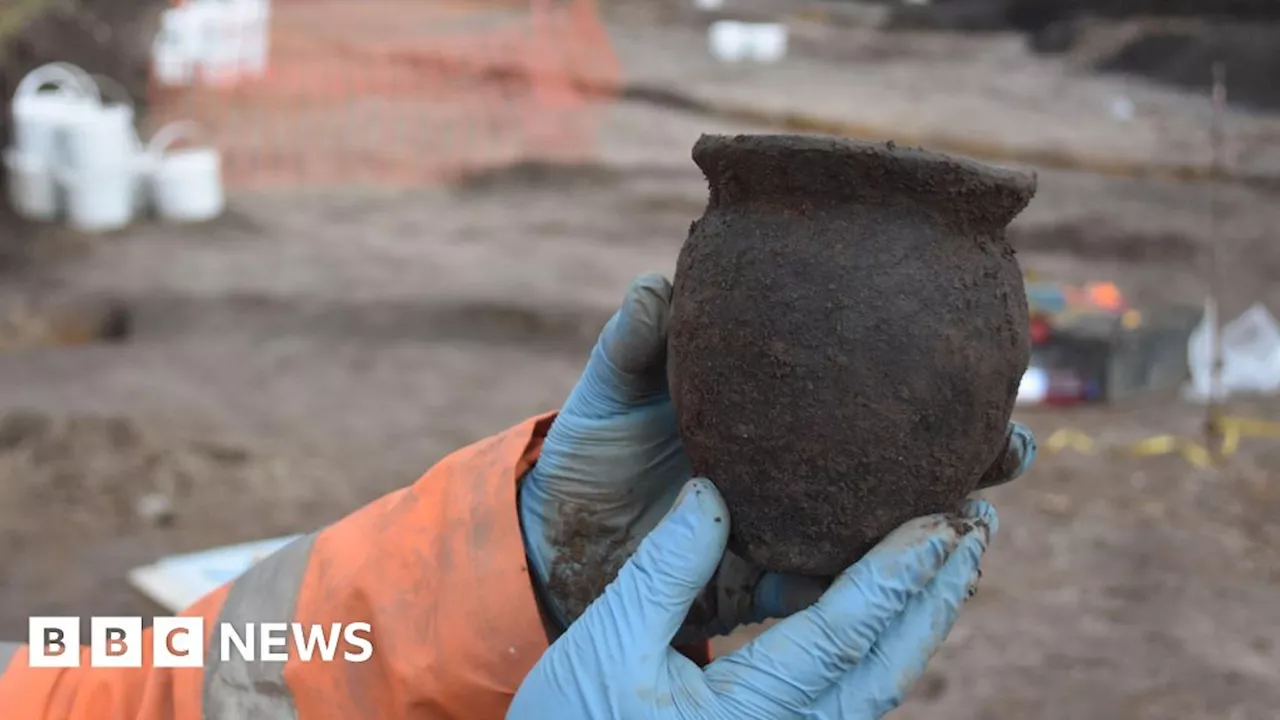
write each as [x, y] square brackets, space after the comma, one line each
[627, 366]
[897, 661]
[790, 665]
[653, 592]
[1014, 461]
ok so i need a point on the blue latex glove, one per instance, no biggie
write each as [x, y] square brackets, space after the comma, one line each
[853, 655]
[612, 465]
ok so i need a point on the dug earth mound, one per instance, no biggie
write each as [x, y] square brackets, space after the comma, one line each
[848, 332]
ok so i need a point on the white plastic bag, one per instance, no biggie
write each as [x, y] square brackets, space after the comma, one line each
[178, 46]
[254, 19]
[221, 41]
[732, 41]
[1034, 387]
[1250, 355]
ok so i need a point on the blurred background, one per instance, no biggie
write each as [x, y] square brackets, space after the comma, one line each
[263, 262]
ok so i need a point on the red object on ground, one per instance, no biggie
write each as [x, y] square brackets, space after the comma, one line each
[1040, 329]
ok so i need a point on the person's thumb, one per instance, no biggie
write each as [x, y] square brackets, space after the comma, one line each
[655, 589]
[628, 365]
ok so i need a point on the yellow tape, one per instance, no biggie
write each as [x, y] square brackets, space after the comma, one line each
[1252, 427]
[1231, 431]
[1069, 438]
[1195, 454]
[1158, 445]
[1230, 440]
[1192, 452]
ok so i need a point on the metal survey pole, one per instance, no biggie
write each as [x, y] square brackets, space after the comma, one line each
[1213, 429]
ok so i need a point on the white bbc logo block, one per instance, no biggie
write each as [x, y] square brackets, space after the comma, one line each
[115, 641]
[53, 642]
[177, 642]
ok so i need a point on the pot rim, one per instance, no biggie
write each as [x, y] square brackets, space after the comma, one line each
[818, 169]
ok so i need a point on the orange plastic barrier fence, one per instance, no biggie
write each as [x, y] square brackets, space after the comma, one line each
[402, 92]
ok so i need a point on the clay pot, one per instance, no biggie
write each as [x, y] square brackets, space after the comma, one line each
[848, 332]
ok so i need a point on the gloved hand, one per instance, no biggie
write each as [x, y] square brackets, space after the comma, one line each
[613, 463]
[851, 656]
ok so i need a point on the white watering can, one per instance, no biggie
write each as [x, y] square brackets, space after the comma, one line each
[102, 135]
[33, 191]
[99, 164]
[39, 115]
[47, 100]
[186, 184]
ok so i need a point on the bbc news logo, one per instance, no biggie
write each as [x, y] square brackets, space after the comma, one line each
[176, 642]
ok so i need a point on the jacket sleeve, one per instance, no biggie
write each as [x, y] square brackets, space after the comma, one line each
[438, 572]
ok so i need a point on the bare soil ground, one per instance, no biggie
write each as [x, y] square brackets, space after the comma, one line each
[308, 353]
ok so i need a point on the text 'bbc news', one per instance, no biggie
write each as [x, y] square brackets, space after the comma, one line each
[180, 642]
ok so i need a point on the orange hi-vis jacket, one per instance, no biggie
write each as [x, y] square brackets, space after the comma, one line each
[437, 570]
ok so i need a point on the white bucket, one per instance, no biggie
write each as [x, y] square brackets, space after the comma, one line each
[178, 45]
[99, 199]
[102, 196]
[40, 116]
[33, 191]
[186, 184]
[102, 136]
[733, 41]
[729, 41]
[769, 42]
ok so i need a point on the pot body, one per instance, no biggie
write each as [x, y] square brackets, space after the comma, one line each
[848, 333]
